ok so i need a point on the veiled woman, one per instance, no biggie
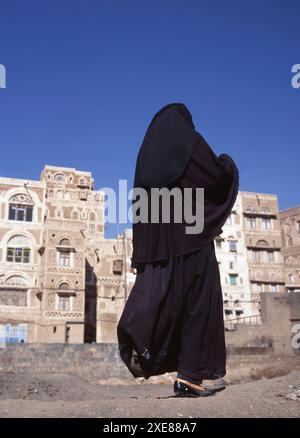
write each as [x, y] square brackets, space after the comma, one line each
[173, 319]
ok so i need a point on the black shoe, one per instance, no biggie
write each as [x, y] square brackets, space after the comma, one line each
[183, 390]
[135, 365]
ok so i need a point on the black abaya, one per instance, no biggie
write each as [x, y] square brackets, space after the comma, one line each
[173, 318]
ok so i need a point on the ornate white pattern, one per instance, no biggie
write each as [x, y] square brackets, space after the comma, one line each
[16, 280]
[64, 315]
[21, 198]
[19, 241]
[110, 281]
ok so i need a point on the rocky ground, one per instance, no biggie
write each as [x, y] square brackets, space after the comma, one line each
[67, 395]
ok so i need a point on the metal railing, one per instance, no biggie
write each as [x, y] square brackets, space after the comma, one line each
[230, 324]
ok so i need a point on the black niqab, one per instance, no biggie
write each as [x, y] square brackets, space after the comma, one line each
[166, 148]
[174, 154]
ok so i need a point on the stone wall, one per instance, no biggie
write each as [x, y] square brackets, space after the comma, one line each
[90, 361]
[280, 312]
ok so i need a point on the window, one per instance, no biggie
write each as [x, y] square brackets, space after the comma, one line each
[20, 212]
[229, 219]
[64, 286]
[18, 250]
[13, 297]
[233, 279]
[117, 266]
[64, 302]
[64, 242]
[231, 265]
[270, 256]
[251, 223]
[255, 256]
[258, 287]
[232, 245]
[258, 275]
[18, 255]
[64, 258]
[60, 177]
[266, 223]
[273, 288]
[298, 226]
[239, 313]
[262, 243]
[219, 244]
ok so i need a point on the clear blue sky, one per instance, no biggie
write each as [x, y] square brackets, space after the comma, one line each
[84, 78]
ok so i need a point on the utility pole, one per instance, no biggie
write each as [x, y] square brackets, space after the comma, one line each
[125, 265]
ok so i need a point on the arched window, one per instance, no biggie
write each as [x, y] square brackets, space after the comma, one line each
[64, 286]
[289, 241]
[64, 252]
[64, 242]
[262, 243]
[16, 280]
[258, 275]
[64, 299]
[18, 249]
[20, 208]
[250, 209]
[60, 177]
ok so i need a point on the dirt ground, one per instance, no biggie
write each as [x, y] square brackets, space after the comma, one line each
[67, 395]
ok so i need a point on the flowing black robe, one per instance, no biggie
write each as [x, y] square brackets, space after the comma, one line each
[173, 318]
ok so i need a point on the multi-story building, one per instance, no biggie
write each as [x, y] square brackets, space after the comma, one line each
[233, 265]
[290, 232]
[249, 254]
[22, 212]
[262, 234]
[57, 271]
[113, 290]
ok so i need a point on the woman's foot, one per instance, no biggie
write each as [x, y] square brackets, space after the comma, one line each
[184, 388]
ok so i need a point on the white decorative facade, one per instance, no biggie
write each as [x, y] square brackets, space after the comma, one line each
[60, 279]
[233, 264]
